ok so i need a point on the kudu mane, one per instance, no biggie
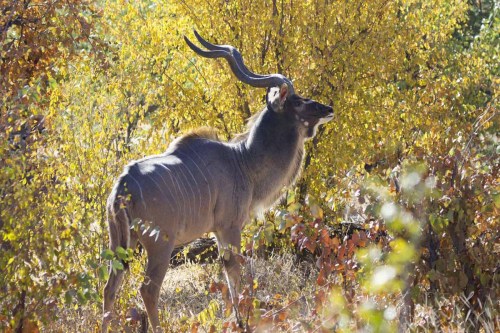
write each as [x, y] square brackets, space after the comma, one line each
[210, 133]
[198, 133]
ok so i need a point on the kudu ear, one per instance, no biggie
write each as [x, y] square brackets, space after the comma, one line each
[276, 97]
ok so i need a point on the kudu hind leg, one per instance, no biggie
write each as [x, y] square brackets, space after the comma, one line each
[112, 285]
[158, 261]
[114, 282]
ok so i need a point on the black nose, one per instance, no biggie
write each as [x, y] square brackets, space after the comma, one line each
[327, 109]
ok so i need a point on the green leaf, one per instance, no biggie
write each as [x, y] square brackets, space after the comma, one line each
[117, 265]
[107, 254]
[121, 253]
[103, 272]
[294, 207]
[496, 200]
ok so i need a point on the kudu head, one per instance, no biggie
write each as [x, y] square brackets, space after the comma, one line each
[281, 98]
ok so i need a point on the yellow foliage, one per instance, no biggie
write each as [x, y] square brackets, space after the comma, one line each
[399, 84]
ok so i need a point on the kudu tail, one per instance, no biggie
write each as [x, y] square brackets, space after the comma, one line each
[119, 226]
[119, 235]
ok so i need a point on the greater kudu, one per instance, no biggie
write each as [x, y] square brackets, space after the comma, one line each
[202, 185]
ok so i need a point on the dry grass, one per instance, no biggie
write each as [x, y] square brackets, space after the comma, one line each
[282, 283]
[185, 292]
[445, 315]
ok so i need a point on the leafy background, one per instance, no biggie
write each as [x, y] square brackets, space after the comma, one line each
[395, 217]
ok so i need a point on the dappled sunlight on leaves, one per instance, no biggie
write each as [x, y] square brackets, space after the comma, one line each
[394, 220]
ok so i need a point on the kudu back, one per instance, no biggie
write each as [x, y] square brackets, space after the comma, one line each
[202, 185]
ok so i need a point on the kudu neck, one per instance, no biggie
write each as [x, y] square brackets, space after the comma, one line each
[272, 154]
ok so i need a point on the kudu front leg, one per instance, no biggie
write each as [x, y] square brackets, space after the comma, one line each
[229, 243]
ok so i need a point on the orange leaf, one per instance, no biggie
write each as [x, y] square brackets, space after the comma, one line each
[355, 238]
[214, 287]
[194, 327]
[310, 245]
[324, 237]
[350, 247]
[341, 253]
[321, 280]
[282, 316]
[30, 326]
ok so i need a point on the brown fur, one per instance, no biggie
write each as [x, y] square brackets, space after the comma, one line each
[205, 132]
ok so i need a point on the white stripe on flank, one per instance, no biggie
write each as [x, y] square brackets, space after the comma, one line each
[203, 173]
[159, 187]
[174, 180]
[168, 187]
[140, 191]
[197, 186]
[192, 191]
